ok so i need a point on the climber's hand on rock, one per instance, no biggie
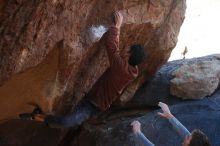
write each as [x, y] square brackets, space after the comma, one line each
[118, 18]
[166, 111]
[136, 127]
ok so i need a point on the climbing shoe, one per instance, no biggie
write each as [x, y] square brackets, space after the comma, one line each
[30, 116]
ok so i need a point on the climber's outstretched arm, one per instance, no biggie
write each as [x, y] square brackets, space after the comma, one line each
[182, 131]
[136, 127]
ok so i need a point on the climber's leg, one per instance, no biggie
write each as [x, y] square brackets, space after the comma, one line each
[82, 112]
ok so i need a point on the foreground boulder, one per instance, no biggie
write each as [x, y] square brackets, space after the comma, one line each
[50, 54]
[202, 114]
[115, 130]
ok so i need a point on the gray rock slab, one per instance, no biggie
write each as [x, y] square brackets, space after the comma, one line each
[200, 114]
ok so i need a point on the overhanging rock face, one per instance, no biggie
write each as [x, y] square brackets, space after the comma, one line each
[48, 45]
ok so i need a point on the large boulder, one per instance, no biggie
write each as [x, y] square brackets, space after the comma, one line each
[197, 80]
[50, 53]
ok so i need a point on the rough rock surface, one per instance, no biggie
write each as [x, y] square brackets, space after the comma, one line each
[47, 55]
[201, 114]
[197, 80]
[160, 88]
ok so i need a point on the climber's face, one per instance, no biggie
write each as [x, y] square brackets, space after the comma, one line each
[187, 140]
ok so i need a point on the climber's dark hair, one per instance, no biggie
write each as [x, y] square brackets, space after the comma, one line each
[137, 54]
[199, 139]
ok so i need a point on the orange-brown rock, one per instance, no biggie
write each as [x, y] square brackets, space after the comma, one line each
[45, 53]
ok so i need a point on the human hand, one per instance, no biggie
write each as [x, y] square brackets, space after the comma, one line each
[118, 18]
[136, 127]
[166, 111]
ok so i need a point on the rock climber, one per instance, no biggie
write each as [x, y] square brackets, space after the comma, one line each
[122, 71]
